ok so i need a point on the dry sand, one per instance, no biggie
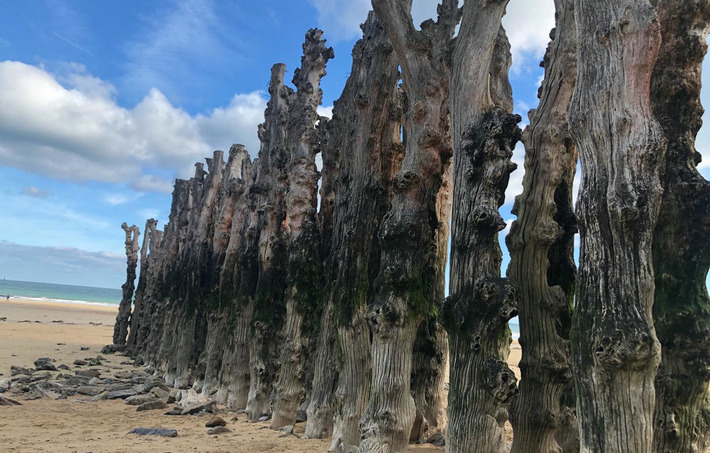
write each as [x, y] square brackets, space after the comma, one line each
[76, 425]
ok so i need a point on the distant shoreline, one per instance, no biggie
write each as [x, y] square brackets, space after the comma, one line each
[60, 293]
[49, 306]
[68, 285]
[57, 301]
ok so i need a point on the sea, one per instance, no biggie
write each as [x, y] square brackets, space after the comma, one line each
[51, 292]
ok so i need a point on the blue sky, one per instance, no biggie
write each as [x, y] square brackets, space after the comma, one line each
[104, 103]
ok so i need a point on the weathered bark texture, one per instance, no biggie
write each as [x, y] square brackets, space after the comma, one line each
[325, 378]
[430, 367]
[304, 290]
[217, 361]
[269, 309]
[123, 319]
[211, 301]
[181, 356]
[430, 374]
[681, 249]
[405, 286]
[187, 339]
[153, 319]
[621, 146]
[480, 302]
[179, 325]
[233, 375]
[245, 276]
[364, 134]
[541, 243]
[258, 301]
[324, 366]
[143, 310]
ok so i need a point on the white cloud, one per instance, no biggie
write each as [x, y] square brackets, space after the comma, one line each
[120, 197]
[115, 199]
[522, 107]
[238, 121]
[152, 183]
[506, 230]
[36, 192]
[515, 184]
[576, 184]
[341, 19]
[423, 10]
[326, 111]
[167, 134]
[79, 133]
[111, 255]
[76, 76]
[528, 24]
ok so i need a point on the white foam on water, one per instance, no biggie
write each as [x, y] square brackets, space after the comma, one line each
[64, 301]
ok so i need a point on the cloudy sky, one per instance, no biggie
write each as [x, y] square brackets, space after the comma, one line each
[104, 104]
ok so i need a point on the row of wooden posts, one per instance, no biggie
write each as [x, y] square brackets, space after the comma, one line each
[279, 287]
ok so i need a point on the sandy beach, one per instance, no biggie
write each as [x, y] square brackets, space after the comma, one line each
[59, 330]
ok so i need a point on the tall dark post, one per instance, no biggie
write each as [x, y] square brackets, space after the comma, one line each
[622, 147]
[123, 319]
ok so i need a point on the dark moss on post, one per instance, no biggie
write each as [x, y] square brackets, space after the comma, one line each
[681, 249]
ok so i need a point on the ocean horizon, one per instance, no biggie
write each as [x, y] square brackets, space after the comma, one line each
[53, 292]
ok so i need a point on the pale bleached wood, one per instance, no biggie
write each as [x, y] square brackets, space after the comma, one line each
[541, 243]
[621, 145]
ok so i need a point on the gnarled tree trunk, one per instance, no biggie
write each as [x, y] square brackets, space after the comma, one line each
[233, 376]
[198, 301]
[304, 291]
[364, 134]
[325, 378]
[230, 205]
[541, 243]
[681, 249]
[430, 374]
[120, 329]
[480, 302]
[141, 316]
[430, 368]
[405, 285]
[268, 299]
[245, 278]
[621, 146]
[324, 364]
